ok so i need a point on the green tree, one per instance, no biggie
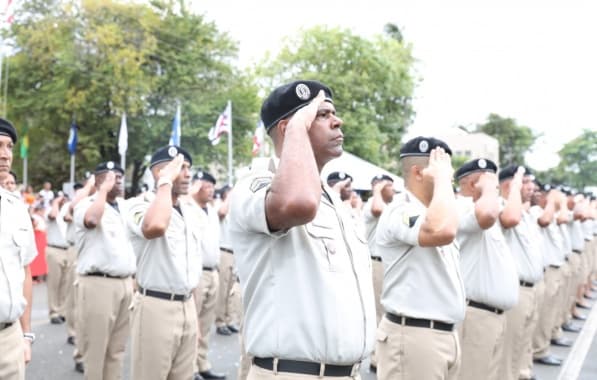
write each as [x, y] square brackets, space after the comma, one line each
[372, 80]
[515, 140]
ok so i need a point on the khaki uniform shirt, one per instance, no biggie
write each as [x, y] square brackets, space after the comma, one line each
[419, 282]
[487, 265]
[170, 263]
[17, 250]
[525, 244]
[307, 291]
[210, 241]
[105, 248]
[370, 225]
[587, 228]
[576, 235]
[553, 252]
[57, 229]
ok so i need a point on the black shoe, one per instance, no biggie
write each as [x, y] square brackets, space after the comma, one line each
[79, 367]
[70, 340]
[212, 375]
[223, 330]
[62, 318]
[549, 360]
[580, 317]
[561, 342]
[56, 321]
[590, 296]
[372, 368]
[197, 376]
[583, 306]
[233, 329]
[571, 327]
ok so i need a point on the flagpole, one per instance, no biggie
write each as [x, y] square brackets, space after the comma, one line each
[72, 168]
[25, 172]
[230, 147]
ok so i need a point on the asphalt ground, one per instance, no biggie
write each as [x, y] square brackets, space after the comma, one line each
[52, 356]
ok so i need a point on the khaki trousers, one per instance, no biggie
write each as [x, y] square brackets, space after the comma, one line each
[526, 359]
[258, 373]
[104, 308]
[60, 281]
[517, 339]
[405, 352]
[226, 309]
[205, 296]
[72, 318]
[12, 354]
[548, 314]
[163, 338]
[377, 272]
[563, 305]
[481, 337]
[70, 303]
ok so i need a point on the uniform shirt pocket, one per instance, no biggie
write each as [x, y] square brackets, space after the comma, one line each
[330, 244]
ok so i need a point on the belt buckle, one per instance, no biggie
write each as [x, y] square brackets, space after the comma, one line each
[172, 295]
[431, 324]
[321, 369]
[356, 368]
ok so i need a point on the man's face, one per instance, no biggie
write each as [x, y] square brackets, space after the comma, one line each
[527, 189]
[183, 182]
[6, 146]
[8, 183]
[325, 134]
[206, 192]
[387, 192]
[47, 186]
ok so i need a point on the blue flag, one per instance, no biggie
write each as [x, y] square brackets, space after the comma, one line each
[72, 139]
[175, 136]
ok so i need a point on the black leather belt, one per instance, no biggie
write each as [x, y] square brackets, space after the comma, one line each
[209, 269]
[566, 258]
[555, 266]
[526, 284]
[376, 258]
[57, 247]
[226, 250]
[102, 274]
[164, 296]
[305, 368]
[415, 322]
[483, 306]
[6, 325]
[577, 251]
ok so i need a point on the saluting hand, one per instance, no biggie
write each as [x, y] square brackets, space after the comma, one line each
[338, 186]
[487, 182]
[440, 165]
[172, 170]
[196, 187]
[307, 114]
[109, 181]
[516, 182]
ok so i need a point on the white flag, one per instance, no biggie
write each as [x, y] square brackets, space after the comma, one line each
[123, 137]
[223, 125]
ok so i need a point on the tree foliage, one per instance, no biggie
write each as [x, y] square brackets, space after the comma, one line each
[372, 80]
[515, 140]
[89, 61]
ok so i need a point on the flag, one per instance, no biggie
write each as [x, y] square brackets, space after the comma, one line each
[8, 12]
[223, 125]
[25, 144]
[258, 138]
[123, 136]
[72, 139]
[175, 136]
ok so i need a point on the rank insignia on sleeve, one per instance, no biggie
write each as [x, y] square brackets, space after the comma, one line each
[259, 183]
[137, 217]
[409, 220]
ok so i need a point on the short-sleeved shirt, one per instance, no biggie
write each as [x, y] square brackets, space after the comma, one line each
[576, 235]
[307, 291]
[370, 222]
[525, 244]
[419, 282]
[105, 248]
[566, 238]
[225, 240]
[170, 263]
[488, 268]
[57, 229]
[17, 250]
[553, 252]
[210, 241]
[587, 227]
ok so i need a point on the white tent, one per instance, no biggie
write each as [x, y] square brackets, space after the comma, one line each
[361, 171]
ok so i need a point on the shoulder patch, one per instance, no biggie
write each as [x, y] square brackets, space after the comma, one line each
[259, 183]
[409, 220]
[138, 217]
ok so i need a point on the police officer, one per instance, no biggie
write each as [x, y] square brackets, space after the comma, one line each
[342, 183]
[304, 268]
[382, 188]
[488, 269]
[17, 251]
[104, 268]
[206, 294]
[423, 293]
[166, 234]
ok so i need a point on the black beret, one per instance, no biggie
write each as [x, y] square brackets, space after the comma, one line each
[168, 153]
[509, 171]
[421, 146]
[546, 187]
[382, 177]
[7, 129]
[78, 186]
[106, 166]
[14, 176]
[338, 176]
[204, 176]
[289, 98]
[478, 165]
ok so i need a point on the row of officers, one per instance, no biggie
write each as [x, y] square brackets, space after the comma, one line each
[472, 286]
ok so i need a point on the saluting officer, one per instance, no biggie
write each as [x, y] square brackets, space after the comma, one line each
[382, 188]
[206, 294]
[304, 268]
[104, 267]
[423, 292]
[488, 269]
[166, 233]
[17, 251]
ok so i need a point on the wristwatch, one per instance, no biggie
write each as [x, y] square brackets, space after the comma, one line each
[29, 336]
[164, 181]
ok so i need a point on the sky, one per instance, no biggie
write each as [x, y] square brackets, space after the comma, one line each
[534, 61]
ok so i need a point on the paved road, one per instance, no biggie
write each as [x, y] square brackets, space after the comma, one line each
[52, 356]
